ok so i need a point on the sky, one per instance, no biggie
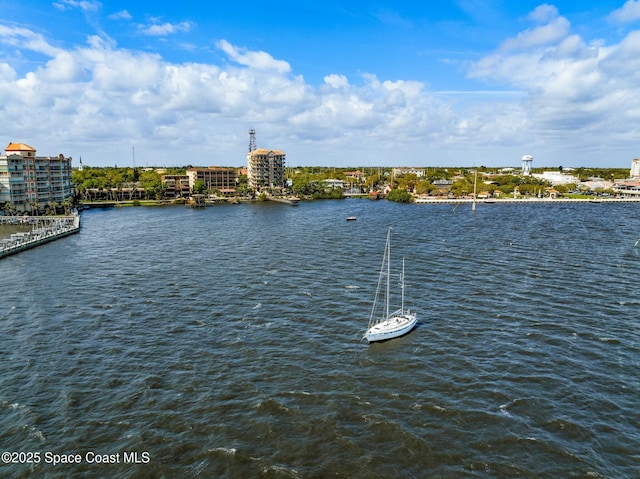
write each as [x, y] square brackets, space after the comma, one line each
[334, 83]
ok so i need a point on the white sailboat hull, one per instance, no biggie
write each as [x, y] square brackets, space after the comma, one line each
[388, 326]
[398, 324]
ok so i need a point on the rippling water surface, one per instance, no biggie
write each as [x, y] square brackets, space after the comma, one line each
[225, 342]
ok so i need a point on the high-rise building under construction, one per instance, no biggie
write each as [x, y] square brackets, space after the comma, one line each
[265, 168]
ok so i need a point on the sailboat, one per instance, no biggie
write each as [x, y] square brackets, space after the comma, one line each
[382, 325]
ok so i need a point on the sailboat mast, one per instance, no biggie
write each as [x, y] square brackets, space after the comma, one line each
[388, 273]
[475, 185]
[402, 285]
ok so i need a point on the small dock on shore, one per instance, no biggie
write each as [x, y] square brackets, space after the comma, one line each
[43, 230]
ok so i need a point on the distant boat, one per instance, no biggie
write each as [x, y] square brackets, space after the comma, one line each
[351, 218]
[382, 325]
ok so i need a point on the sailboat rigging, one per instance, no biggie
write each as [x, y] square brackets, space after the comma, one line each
[398, 323]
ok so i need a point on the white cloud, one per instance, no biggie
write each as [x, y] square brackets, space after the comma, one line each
[630, 12]
[121, 15]
[336, 81]
[164, 29]
[254, 60]
[7, 74]
[23, 38]
[576, 93]
[544, 14]
[554, 28]
[85, 5]
[62, 69]
[100, 99]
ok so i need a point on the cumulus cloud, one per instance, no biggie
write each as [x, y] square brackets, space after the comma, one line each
[554, 28]
[572, 87]
[103, 98]
[336, 81]
[630, 12]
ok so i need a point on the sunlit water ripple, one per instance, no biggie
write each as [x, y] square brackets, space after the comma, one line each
[225, 342]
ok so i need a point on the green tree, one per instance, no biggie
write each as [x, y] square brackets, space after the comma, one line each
[306, 184]
[462, 187]
[407, 182]
[199, 187]
[152, 184]
[372, 181]
[399, 196]
[425, 187]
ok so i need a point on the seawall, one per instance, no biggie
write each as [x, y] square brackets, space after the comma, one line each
[45, 229]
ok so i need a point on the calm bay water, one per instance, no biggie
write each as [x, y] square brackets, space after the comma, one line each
[225, 342]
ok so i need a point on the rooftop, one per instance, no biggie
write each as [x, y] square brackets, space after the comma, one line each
[19, 147]
[264, 151]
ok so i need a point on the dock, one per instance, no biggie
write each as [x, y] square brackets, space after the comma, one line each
[44, 229]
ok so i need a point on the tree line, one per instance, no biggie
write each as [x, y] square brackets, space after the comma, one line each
[310, 181]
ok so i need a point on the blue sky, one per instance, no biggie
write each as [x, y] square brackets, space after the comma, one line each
[332, 83]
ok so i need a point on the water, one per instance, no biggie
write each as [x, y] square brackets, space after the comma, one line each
[225, 342]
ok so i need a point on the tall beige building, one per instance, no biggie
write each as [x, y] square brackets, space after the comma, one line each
[29, 182]
[265, 168]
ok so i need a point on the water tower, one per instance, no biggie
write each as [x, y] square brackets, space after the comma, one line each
[526, 165]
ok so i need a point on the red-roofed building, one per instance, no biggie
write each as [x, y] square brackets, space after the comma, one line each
[31, 183]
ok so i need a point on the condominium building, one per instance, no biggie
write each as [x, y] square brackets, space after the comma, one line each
[29, 183]
[215, 178]
[265, 168]
[177, 185]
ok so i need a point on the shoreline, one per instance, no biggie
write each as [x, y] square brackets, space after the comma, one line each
[526, 200]
[296, 201]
